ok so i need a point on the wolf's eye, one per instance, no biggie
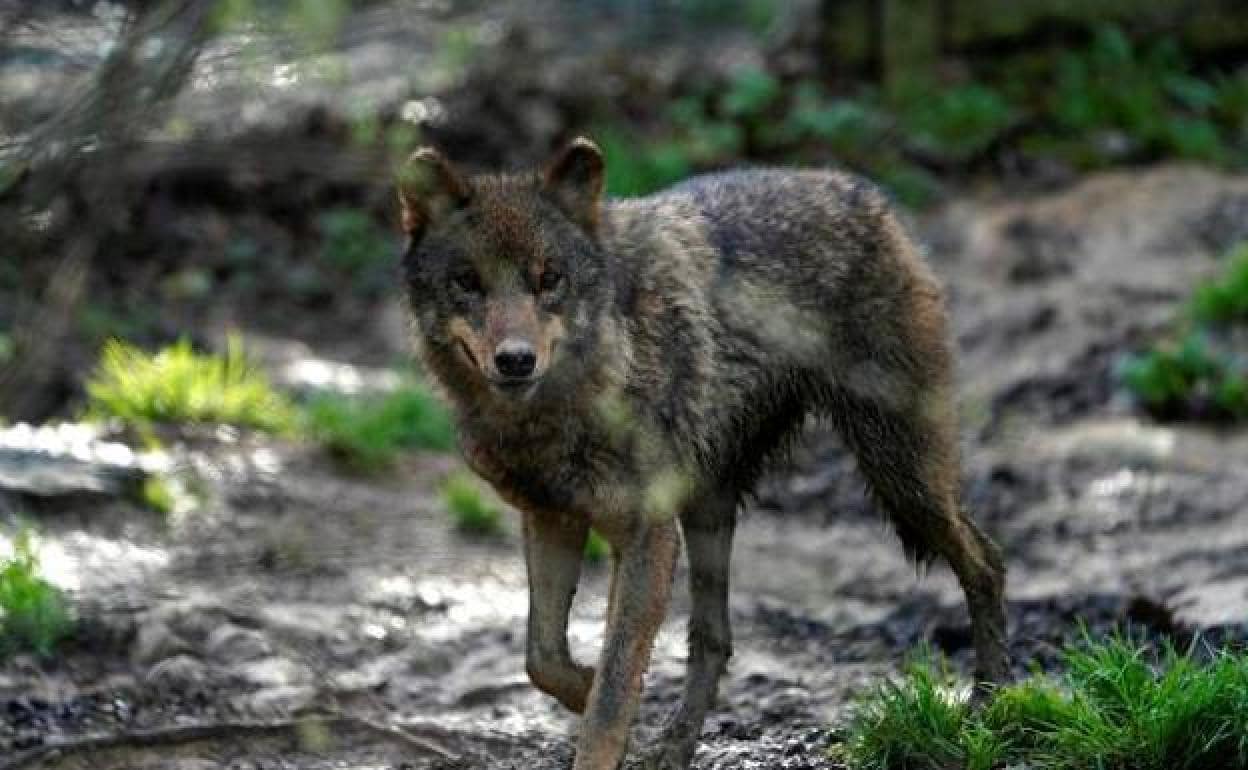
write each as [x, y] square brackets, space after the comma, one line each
[550, 280]
[468, 282]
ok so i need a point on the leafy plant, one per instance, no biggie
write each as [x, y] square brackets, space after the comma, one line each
[1117, 705]
[353, 243]
[1224, 300]
[34, 615]
[1196, 376]
[596, 548]
[368, 432]
[961, 121]
[637, 167]
[179, 385]
[471, 510]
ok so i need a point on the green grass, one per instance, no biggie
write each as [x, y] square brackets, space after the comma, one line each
[596, 548]
[470, 509]
[1199, 374]
[34, 615]
[1225, 299]
[367, 432]
[1117, 706]
[179, 385]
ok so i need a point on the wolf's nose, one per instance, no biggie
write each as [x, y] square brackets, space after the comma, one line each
[515, 358]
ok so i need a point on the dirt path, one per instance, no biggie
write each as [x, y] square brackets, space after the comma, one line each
[295, 589]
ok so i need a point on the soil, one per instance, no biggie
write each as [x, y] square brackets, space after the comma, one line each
[299, 616]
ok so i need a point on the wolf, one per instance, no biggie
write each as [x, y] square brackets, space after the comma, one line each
[631, 366]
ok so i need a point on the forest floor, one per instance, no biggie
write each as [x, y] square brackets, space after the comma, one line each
[296, 593]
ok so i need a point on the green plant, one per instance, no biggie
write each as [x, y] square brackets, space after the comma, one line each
[368, 432]
[597, 549]
[34, 615]
[960, 122]
[1225, 299]
[156, 493]
[638, 167]
[8, 348]
[1148, 95]
[179, 385]
[471, 510]
[1117, 705]
[353, 243]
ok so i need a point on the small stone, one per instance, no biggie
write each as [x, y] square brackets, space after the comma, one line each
[181, 672]
[156, 642]
[273, 672]
[287, 699]
[232, 644]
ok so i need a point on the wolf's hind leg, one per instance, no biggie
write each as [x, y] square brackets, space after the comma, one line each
[708, 527]
[554, 547]
[908, 455]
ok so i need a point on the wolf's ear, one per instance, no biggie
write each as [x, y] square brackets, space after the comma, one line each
[574, 179]
[428, 187]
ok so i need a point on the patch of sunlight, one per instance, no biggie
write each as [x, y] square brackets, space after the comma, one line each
[482, 603]
[319, 374]
[69, 561]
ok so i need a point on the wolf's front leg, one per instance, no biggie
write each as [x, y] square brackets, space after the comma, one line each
[554, 547]
[640, 592]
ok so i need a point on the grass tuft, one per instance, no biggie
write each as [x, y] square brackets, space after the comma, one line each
[367, 433]
[1117, 706]
[1224, 300]
[1201, 374]
[179, 385]
[596, 548]
[472, 512]
[34, 615]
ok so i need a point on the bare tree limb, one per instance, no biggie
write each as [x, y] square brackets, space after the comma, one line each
[172, 736]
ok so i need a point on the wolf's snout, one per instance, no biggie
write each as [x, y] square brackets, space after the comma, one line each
[515, 359]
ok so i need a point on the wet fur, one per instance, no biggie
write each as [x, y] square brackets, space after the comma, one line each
[700, 327]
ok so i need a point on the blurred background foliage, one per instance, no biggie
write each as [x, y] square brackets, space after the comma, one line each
[170, 170]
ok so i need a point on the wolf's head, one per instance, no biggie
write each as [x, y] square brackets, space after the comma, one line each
[505, 273]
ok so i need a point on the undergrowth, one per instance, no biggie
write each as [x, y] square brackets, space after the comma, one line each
[1201, 372]
[1112, 101]
[179, 385]
[34, 615]
[471, 510]
[367, 433]
[1116, 706]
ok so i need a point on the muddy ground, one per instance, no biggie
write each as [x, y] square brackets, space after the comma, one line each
[293, 588]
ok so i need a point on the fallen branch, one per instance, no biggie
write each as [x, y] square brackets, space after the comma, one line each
[172, 736]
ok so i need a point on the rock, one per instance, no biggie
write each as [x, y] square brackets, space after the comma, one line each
[233, 644]
[286, 699]
[156, 642]
[66, 459]
[181, 672]
[273, 672]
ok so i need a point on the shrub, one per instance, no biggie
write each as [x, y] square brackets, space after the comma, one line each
[1199, 375]
[353, 244]
[1116, 706]
[1224, 300]
[34, 616]
[178, 385]
[368, 432]
[960, 122]
[472, 512]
